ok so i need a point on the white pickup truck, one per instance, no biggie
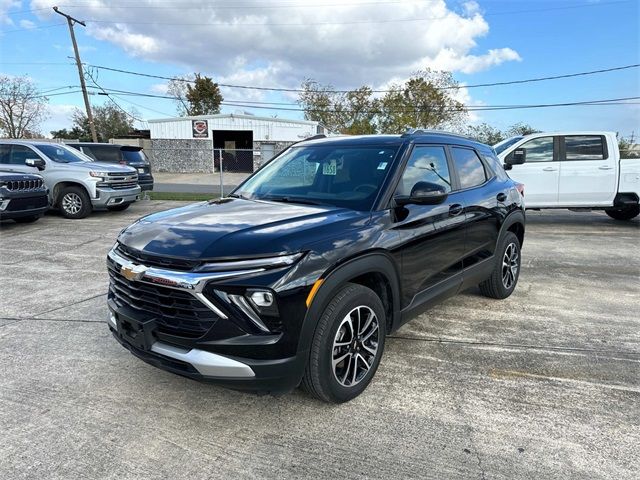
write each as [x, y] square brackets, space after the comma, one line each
[575, 170]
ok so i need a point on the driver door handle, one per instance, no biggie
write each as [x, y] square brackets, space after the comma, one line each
[549, 169]
[455, 210]
[605, 167]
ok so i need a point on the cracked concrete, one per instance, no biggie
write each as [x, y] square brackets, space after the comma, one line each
[543, 385]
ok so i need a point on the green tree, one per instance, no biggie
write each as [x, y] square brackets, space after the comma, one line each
[22, 107]
[351, 112]
[484, 133]
[74, 134]
[426, 100]
[520, 128]
[110, 122]
[195, 95]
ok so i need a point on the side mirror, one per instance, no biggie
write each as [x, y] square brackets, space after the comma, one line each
[35, 163]
[517, 157]
[424, 193]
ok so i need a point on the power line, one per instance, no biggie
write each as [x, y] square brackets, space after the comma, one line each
[614, 101]
[95, 82]
[297, 90]
[39, 27]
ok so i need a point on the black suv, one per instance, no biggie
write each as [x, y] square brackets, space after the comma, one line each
[23, 197]
[298, 275]
[130, 155]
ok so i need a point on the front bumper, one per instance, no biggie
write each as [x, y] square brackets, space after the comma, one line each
[107, 197]
[23, 204]
[220, 352]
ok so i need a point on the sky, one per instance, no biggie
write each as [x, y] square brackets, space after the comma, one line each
[348, 43]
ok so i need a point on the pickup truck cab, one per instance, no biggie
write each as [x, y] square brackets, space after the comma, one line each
[130, 155]
[76, 184]
[575, 170]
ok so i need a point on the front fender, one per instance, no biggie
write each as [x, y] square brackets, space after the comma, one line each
[373, 262]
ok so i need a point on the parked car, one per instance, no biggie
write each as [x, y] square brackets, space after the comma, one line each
[76, 183]
[577, 170]
[299, 275]
[23, 197]
[121, 154]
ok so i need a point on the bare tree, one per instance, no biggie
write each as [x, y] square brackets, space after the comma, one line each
[177, 88]
[22, 107]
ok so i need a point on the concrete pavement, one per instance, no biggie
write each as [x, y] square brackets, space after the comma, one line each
[543, 385]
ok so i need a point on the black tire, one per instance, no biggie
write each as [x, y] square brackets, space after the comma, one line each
[626, 213]
[504, 278]
[119, 208]
[29, 219]
[320, 377]
[74, 202]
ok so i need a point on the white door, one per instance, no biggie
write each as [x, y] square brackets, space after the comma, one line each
[587, 171]
[540, 173]
[267, 151]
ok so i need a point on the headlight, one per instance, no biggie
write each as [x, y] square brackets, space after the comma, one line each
[254, 263]
[99, 174]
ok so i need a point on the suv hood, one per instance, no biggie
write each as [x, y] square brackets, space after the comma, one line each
[238, 228]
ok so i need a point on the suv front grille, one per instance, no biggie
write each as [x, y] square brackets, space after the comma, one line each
[154, 261]
[176, 312]
[24, 185]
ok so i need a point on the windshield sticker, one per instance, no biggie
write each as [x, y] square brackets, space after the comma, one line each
[329, 168]
[382, 165]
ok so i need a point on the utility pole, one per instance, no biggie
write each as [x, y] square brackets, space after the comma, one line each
[72, 21]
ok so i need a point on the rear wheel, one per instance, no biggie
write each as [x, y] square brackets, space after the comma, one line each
[347, 345]
[74, 202]
[625, 213]
[506, 272]
[119, 208]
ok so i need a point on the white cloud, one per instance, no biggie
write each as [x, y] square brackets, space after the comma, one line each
[260, 44]
[5, 7]
[27, 24]
[59, 117]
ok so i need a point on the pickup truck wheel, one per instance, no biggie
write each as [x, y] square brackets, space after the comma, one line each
[119, 208]
[347, 345]
[74, 202]
[506, 272]
[626, 213]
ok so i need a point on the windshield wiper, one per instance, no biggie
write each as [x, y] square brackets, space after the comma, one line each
[288, 199]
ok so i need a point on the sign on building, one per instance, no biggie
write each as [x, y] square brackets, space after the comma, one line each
[200, 128]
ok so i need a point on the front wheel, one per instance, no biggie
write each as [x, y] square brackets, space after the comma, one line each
[74, 203]
[347, 345]
[506, 272]
[625, 213]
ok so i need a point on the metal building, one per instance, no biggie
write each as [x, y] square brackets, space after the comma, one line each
[242, 141]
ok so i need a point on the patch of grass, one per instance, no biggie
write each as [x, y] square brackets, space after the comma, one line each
[184, 196]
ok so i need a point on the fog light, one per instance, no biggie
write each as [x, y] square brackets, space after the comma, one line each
[261, 298]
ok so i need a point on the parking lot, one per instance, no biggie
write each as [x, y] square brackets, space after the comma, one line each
[543, 385]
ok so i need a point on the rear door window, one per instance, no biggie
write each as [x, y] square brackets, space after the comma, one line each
[470, 168]
[583, 147]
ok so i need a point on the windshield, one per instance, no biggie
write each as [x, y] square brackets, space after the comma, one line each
[347, 177]
[62, 154]
[503, 145]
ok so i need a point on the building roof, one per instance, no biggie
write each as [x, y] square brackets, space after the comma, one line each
[233, 115]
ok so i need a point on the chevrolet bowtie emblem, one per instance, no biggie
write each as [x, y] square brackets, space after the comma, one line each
[135, 272]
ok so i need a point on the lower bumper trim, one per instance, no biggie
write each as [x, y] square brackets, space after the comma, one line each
[207, 363]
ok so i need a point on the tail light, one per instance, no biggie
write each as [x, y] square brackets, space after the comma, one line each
[520, 188]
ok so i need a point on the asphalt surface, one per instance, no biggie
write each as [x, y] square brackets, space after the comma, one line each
[545, 384]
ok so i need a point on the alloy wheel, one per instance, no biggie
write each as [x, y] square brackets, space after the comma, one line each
[72, 203]
[355, 346]
[510, 265]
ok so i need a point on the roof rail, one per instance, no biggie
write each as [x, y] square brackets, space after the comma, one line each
[424, 131]
[314, 137]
